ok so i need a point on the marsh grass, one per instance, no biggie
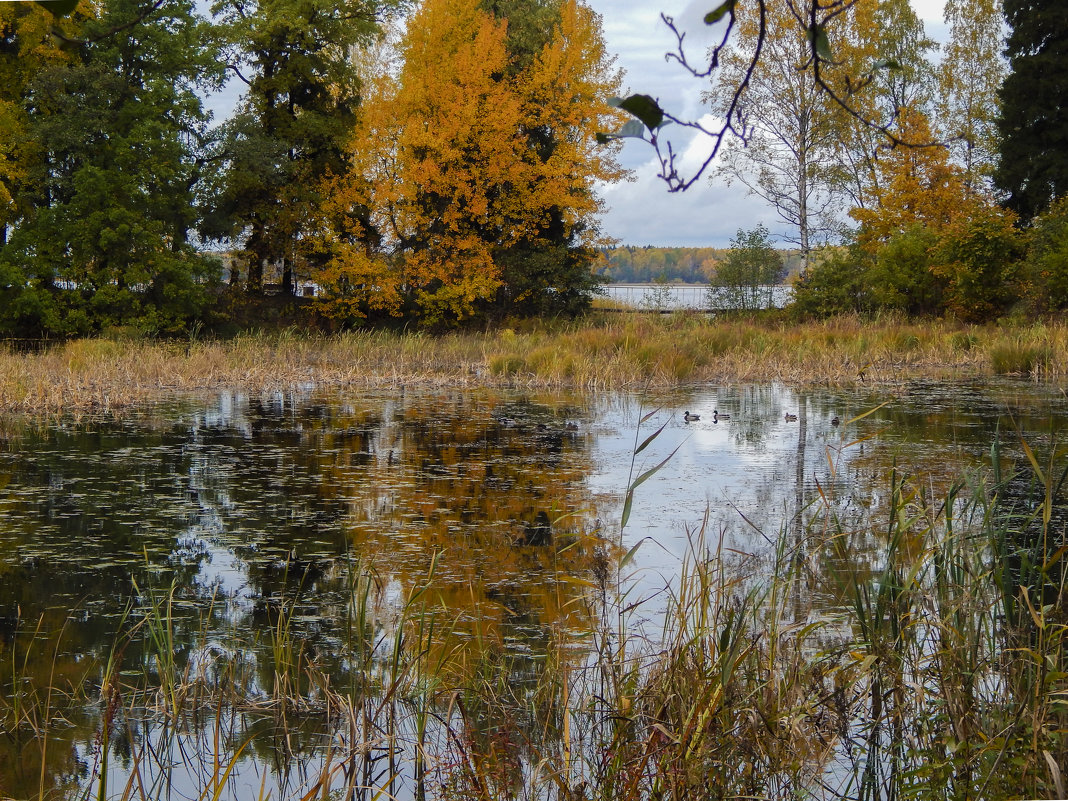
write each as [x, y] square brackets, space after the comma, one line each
[606, 351]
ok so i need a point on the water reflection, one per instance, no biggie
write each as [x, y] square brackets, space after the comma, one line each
[263, 514]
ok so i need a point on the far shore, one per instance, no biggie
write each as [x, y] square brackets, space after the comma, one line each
[601, 353]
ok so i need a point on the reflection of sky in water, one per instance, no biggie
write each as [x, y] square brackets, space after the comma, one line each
[741, 472]
[225, 492]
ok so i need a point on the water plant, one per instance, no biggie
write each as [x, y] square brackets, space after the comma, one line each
[606, 351]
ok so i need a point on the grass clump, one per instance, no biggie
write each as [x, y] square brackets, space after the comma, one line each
[1020, 358]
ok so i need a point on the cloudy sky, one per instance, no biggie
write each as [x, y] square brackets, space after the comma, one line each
[643, 212]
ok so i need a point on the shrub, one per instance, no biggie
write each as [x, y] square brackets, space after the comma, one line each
[833, 285]
[901, 278]
[1044, 271]
[978, 257]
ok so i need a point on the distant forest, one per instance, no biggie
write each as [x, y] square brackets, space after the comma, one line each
[647, 265]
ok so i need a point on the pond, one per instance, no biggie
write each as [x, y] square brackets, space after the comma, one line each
[250, 541]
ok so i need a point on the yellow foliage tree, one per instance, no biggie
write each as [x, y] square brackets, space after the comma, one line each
[916, 185]
[880, 67]
[444, 174]
[970, 244]
[970, 75]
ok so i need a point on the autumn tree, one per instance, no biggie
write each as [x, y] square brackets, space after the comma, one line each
[935, 244]
[969, 76]
[881, 64]
[786, 151]
[444, 180]
[913, 185]
[1032, 167]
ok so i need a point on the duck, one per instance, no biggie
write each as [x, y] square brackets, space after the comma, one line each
[791, 418]
[717, 416]
[835, 421]
[689, 418]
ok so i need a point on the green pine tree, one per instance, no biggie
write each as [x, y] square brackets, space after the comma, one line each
[106, 208]
[1033, 166]
[289, 131]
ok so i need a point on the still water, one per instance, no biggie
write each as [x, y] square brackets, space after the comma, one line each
[249, 519]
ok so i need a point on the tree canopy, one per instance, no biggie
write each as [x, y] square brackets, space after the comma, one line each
[463, 160]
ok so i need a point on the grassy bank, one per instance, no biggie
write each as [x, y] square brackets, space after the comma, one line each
[610, 351]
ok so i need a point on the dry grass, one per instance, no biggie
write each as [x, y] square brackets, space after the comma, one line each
[611, 351]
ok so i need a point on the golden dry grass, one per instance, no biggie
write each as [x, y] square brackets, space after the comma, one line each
[606, 352]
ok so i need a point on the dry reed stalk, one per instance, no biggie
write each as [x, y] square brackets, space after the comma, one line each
[609, 352]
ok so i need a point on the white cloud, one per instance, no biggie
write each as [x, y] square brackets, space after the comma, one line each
[644, 212]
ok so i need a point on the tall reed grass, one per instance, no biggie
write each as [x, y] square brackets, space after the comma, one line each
[610, 351]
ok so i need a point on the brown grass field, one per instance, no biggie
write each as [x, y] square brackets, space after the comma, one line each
[603, 352]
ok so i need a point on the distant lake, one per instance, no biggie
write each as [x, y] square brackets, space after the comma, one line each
[667, 297]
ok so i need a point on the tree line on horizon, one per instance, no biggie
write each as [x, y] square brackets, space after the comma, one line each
[435, 162]
[649, 264]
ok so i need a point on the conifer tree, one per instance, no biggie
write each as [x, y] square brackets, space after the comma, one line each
[106, 203]
[1033, 165]
[289, 129]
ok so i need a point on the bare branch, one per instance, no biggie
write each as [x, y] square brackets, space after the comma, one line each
[813, 16]
[233, 68]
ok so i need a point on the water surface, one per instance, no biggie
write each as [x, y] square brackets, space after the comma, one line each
[243, 513]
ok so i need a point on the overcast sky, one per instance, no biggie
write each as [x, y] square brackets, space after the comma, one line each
[710, 213]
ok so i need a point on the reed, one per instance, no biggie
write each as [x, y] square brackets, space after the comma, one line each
[607, 351]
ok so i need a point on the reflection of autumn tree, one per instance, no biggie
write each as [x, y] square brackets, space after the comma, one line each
[303, 497]
[487, 487]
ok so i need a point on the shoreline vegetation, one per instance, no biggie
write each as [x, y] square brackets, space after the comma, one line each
[602, 352]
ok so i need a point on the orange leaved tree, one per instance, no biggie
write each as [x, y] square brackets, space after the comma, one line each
[445, 175]
[964, 249]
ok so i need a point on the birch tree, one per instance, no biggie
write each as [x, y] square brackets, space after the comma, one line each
[786, 150]
[970, 74]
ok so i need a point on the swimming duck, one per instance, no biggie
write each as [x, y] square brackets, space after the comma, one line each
[791, 418]
[835, 421]
[689, 418]
[717, 416]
